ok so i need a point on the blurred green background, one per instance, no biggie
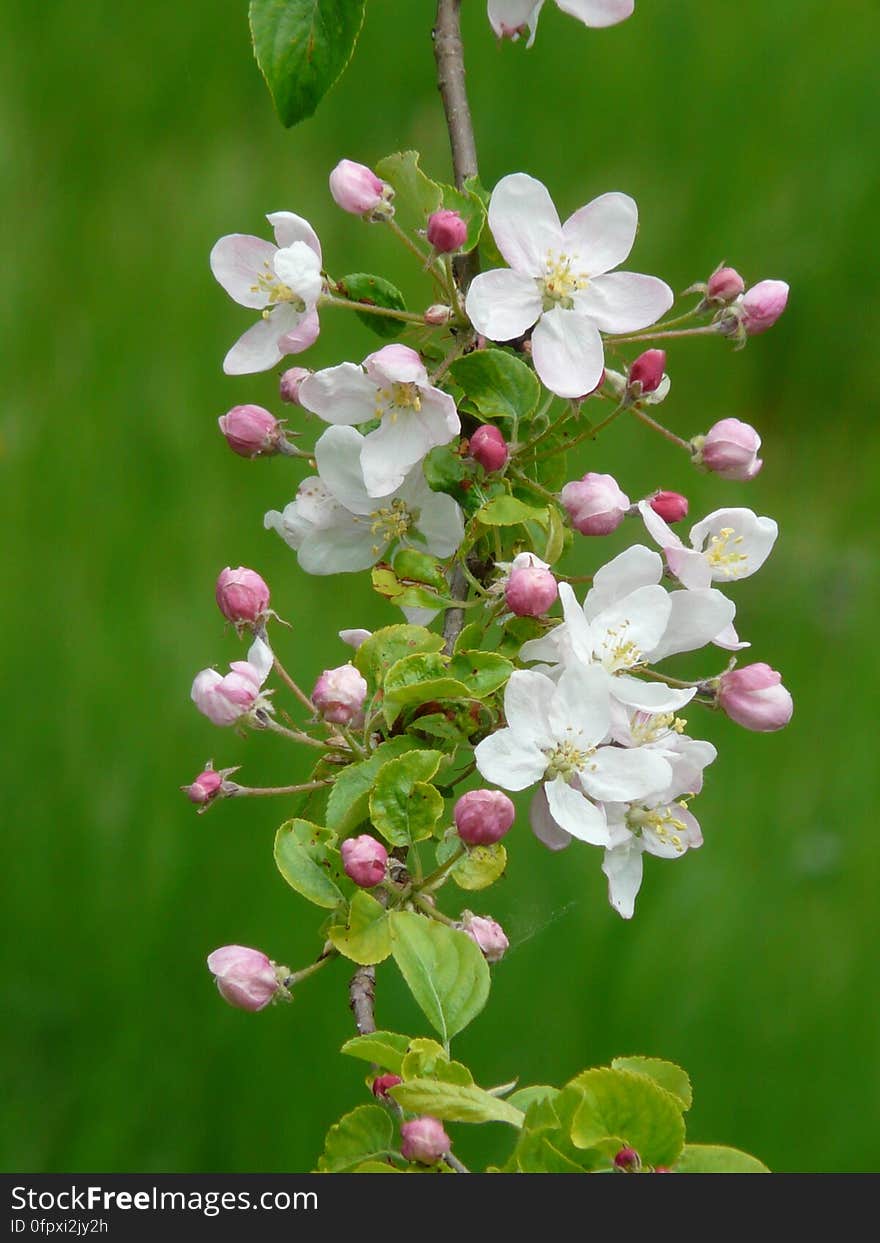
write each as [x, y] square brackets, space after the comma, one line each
[131, 137]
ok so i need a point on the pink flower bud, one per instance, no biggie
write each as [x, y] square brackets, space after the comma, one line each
[242, 595]
[629, 1160]
[762, 306]
[438, 315]
[483, 816]
[246, 978]
[648, 370]
[671, 506]
[755, 698]
[446, 231]
[595, 504]
[724, 285]
[488, 935]
[531, 588]
[250, 431]
[339, 695]
[357, 189]
[290, 382]
[380, 1085]
[205, 786]
[364, 860]
[424, 1140]
[489, 448]
[223, 700]
[730, 449]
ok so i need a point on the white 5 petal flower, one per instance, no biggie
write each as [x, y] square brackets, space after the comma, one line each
[391, 385]
[510, 17]
[560, 282]
[335, 526]
[555, 734]
[283, 282]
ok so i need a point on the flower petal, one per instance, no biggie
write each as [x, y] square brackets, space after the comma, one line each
[343, 548]
[255, 350]
[302, 336]
[580, 712]
[544, 826]
[298, 267]
[395, 364]
[659, 530]
[524, 223]
[567, 352]
[598, 13]
[503, 304]
[624, 301]
[290, 228]
[341, 395]
[695, 618]
[509, 15]
[750, 540]
[627, 630]
[237, 261]
[623, 866]
[509, 761]
[575, 814]
[602, 233]
[441, 523]
[527, 704]
[636, 567]
[729, 640]
[618, 776]
[338, 455]
[649, 696]
[391, 451]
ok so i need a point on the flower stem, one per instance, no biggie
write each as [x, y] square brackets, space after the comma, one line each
[289, 682]
[531, 483]
[265, 721]
[387, 312]
[297, 976]
[708, 330]
[234, 790]
[436, 878]
[453, 1162]
[658, 427]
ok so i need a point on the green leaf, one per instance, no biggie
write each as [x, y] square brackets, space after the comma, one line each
[349, 801]
[443, 968]
[713, 1159]
[386, 1049]
[446, 471]
[470, 207]
[365, 938]
[454, 1102]
[426, 1059]
[538, 1155]
[480, 867]
[508, 511]
[305, 857]
[557, 535]
[403, 806]
[469, 637]
[418, 567]
[415, 190]
[407, 595]
[629, 1106]
[378, 1167]
[499, 385]
[667, 1074]
[302, 48]
[366, 1134]
[385, 647]
[483, 673]
[419, 679]
[374, 291]
[524, 1098]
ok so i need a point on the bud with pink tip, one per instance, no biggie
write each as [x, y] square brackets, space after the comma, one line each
[447, 231]
[729, 449]
[424, 1140]
[488, 447]
[339, 695]
[242, 595]
[483, 816]
[380, 1085]
[595, 504]
[763, 305]
[290, 382]
[250, 431]
[364, 859]
[246, 978]
[438, 315]
[647, 371]
[530, 589]
[224, 700]
[628, 1160]
[205, 787]
[357, 189]
[671, 506]
[487, 935]
[755, 698]
[724, 285]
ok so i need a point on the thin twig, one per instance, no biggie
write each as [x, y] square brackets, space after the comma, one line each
[362, 997]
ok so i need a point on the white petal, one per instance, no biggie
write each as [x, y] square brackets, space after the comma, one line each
[617, 775]
[236, 261]
[689, 838]
[290, 228]
[527, 703]
[260, 656]
[574, 638]
[603, 232]
[503, 304]
[567, 352]
[391, 451]
[544, 826]
[752, 538]
[598, 12]
[343, 548]
[659, 530]
[696, 617]
[637, 566]
[628, 629]
[508, 15]
[729, 640]
[649, 696]
[690, 567]
[440, 522]
[508, 761]
[298, 267]
[338, 455]
[395, 364]
[256, 350]
[688, 757]
[624, 301]
[575, 814]
[341, 395]
[524, 223]
[302, 336]
[580, 712]
[623, 866]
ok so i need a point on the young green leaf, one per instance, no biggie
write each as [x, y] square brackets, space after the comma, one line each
[415, 191]
[482, 673]
[443, 968]
[349, 801]
[390, 644]
[454, 1102]
[426, 1059]
[365, 938]
[403, 806]
[366, 1134]
[667, 1074]
[498, 385]
[385, 1049]
[306, 858]
[713, 1159]
[632, 1108]
[419, 679]
[374, 291]
[480, 867]
[508, 511]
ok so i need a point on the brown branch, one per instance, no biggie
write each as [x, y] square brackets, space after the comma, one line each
[361, 999]
[449, 55]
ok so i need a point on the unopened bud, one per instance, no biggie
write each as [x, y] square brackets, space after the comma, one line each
[724, 285]
[487, 934]
[595, 504]
[290, 382]
[380, 1085]
[250, 431]
[424, 1140]
[755, 698]
[628, 1160]
[531, 588]
[671, 506]
[482, 817]
[488, 447]
[246, 978]
[447, 231]
[730, 449]
[242, 595]
[763, 305]
[205, 787]
[647, 371]
[339, 695]
[365, 860]
[438, 315]
[357, 189]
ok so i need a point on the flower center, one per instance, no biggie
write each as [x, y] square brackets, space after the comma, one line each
[647, 728]
[269, 284]
[722, 553]
[390, 523]
[619, 651]
[661, 821]
[560, 283]
[397, 399]
[566, 760]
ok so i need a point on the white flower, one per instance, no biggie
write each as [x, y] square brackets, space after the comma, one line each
[560, 281]
[223, 700]
[335, 526]
[509, 17]
[628, 620]
[282, 281]
[555, 734]
[392, 385]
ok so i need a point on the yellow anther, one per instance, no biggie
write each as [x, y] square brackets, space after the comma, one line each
[565, 760]
[560, 283]
[722, 555]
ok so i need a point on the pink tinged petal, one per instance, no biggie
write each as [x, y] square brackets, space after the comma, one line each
[658, 529]
[338, 455]
[341, 395]
[440, 522]
[602, 233]
[508, 15]
[256, 350]
[636, 567]
[688, 757]
[524, 223]
[575, 814]
[729, 640]
[567, 352]
[690, 567]
[503, 304]
[302, 336]
[544, 826]
[649, 696]
[598, 13]
[623, 866]
[299, 268]
[580, 711]
[395, 364]
[237, 261]
[391, 451]
[261, 659]
[616, 775]
[695, 618]
[528, 700]
[509, 761]
[624, 301]
[290, 228]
